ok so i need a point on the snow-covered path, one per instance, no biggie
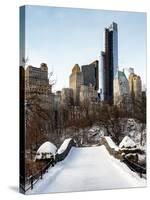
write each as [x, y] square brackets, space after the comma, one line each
[88, 168]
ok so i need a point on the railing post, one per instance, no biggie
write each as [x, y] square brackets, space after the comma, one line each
[31, 182]
[41, 174]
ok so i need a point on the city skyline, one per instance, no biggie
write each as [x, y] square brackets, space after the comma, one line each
[62, 37]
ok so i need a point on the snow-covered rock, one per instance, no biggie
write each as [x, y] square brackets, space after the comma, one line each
[94, 129]
[141, 159]
[64, 145]
[46, 148]
[95, 133]
[135, 130]
[127, 142]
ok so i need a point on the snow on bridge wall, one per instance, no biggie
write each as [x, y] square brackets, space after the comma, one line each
[45, 151]
[64, 149]
[111, 147]
[116, 151]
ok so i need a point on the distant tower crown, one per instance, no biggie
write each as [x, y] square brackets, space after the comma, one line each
[44, 66]
[76, 68]
[113, 26]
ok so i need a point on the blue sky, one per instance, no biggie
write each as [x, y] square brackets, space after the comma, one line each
[62, 37]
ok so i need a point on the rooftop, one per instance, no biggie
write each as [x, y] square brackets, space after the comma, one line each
[76, 68]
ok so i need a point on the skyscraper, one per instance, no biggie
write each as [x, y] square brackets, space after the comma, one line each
[103, 75]
[122, 97]
[36, 79]
[67, 97]
[75, 81]
[91, 74]
[109, 63]
[135, 86]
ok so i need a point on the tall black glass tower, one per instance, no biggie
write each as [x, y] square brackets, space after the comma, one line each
[109, 61]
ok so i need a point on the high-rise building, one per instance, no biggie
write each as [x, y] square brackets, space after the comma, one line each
[75, 81]
[122, 95]
[135, 86]
[103, 76]
[57, 100]
[37, 83]
[91, 74]
[109, 61]
[67, 97]
[36, 79]
[88, 94]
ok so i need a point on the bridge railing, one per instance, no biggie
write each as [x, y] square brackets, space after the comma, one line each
[118, 153]
[33, 178]
[29, 182]
[134, 166]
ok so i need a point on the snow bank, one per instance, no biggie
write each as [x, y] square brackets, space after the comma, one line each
[46, 148]
[111, 143]
[64, 145]
[142, 159]
[127, 142]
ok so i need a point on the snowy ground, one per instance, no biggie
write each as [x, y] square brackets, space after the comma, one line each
[88, 168]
